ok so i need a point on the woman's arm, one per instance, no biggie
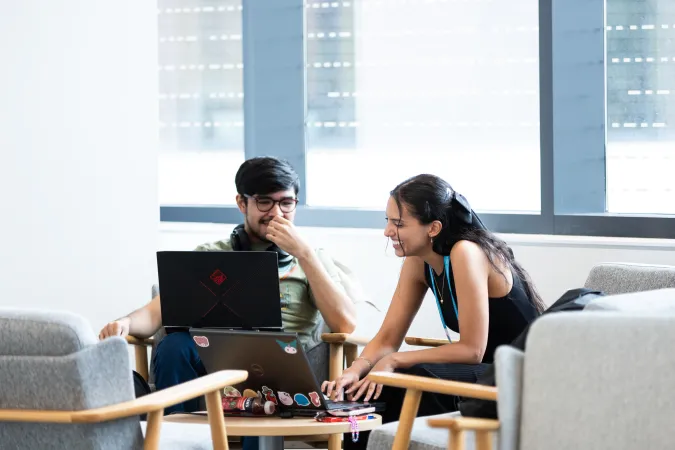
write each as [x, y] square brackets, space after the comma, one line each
[471, 270]
[404, 305]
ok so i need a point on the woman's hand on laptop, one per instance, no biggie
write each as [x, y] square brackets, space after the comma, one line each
[335, 389]
[117, 328]
[368, 389]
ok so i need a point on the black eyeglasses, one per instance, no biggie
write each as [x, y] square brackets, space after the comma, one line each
[266, 204]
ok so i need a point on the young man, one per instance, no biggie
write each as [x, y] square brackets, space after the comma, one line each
[309, 279]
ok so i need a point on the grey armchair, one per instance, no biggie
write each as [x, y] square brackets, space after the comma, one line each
[624, 278]
[581, 384]
[61, 388]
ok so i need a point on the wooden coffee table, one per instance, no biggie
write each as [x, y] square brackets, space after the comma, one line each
[272, 430]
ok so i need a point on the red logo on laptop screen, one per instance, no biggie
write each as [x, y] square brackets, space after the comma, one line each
[218, 277]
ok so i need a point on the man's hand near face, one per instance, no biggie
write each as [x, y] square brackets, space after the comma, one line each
[283, 233]
[336, 308]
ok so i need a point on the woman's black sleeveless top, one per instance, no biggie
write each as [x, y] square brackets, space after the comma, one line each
[509, 315]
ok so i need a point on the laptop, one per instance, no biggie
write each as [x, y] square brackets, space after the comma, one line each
[219, 289]
[277, 367]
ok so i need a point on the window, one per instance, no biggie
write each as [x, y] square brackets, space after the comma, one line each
[640, 151]
[200, 101]
[551, 117]
[400, 87]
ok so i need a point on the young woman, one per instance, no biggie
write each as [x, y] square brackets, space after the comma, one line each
[481, 292]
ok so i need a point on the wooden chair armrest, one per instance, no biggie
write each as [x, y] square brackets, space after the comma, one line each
[149, 403]
[457, 427]
[344, 338]
[425, 342]
[414, 386]
[141, 353]
[465, 423]
[434, 385]
[145, 342]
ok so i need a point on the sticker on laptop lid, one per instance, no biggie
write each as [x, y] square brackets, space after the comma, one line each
[231, 391]
[202, 341]
[301, 400]
[250, 393]
[269, 395]
[285, 398]
[289, 347]
[316, 401]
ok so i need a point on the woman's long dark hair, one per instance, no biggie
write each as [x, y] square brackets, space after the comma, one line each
[429, 198]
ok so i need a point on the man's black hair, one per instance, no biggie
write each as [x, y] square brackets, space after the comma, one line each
[265, 175]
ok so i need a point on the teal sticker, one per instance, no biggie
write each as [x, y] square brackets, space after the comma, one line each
[301, 400]
[289, 347]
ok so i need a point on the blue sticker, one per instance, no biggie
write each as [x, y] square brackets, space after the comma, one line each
[301, 400]
[289, 347]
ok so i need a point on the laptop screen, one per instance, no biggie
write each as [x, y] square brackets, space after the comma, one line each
[235, 290]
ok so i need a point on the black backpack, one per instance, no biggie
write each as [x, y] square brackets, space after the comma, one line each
[572, 300]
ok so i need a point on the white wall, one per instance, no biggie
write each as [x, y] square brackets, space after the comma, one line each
[555, 263]
[78, 131]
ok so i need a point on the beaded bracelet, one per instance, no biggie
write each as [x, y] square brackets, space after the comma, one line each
[370, 365]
